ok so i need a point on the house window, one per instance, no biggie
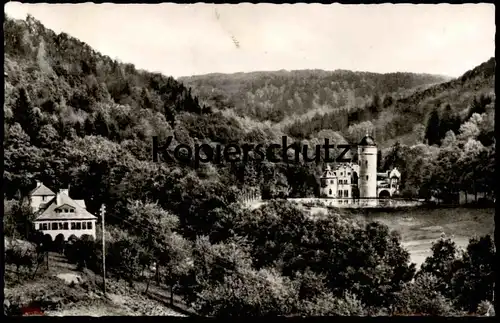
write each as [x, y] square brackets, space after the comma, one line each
[73, 226]
[61, 226]
[349, 173]
[84, 225]
[331, 181]
[65, 225]
[342, 174]
[89, 224]
[40, 226]
[45, 226]
[43, 197]
[346, 193]
[340, 202]
[340, 193]
[71, 210]
[78, 225]
[366, 177]
[330, 192]
[55, 225]
[65, 210]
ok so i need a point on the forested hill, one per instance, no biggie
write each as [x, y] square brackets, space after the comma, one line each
[74, 117]
[56, 68]
[277, 95]
[406, 117]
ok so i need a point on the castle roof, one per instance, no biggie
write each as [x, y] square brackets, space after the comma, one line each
[328, 173]
[367, 141]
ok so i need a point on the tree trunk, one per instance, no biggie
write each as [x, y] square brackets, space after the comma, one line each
[147, 284]
[47, 260]
[36, 268]
[171, 293]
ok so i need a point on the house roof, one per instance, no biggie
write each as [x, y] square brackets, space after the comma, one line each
[48, 213]
[41, 190]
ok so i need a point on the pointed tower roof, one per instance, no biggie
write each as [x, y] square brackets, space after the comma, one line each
[367, 141]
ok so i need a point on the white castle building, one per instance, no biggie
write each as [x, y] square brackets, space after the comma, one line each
[351, 181]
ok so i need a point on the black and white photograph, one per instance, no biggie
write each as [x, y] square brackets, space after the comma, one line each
[246, 160]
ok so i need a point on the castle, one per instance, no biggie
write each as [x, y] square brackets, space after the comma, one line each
[351, 181]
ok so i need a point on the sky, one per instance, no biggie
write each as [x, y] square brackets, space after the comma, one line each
[182, 40]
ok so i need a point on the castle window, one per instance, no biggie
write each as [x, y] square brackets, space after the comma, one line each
[366, 177]
[61, 226]
[349, 174]
[331, 181]
[341, 173]
[65, 225]
[340, 193]
[330, 192]
[346, 193]
[55, 225]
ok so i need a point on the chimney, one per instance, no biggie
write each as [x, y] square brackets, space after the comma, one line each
[64, 191]
[38, 184]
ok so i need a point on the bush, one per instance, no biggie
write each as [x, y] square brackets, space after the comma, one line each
[421, 297]
[329, 305]
[22, 255]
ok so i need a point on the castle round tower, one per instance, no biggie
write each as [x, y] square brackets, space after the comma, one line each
[328, 183]
[367, 160]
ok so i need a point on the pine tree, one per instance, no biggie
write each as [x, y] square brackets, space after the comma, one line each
[379, 161]
[101, 125]
[432, 133]
[26, 115]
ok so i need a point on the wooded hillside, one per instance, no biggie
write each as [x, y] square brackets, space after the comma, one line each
[76, 117]
[278, 95]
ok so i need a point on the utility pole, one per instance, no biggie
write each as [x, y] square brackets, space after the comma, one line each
[103, 211]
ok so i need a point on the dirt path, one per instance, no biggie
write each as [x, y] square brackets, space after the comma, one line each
[62, 278]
